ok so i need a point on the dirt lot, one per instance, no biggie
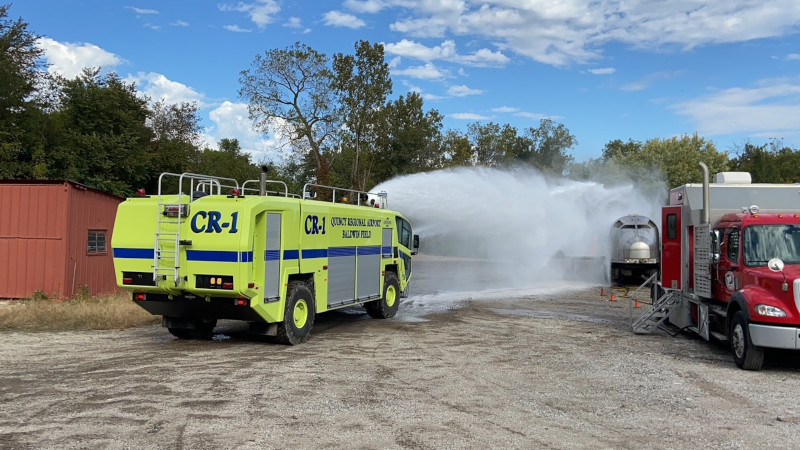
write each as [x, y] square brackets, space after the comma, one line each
[551, 370]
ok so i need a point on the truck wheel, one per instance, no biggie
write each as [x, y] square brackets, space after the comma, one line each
[298, 317]
[746, 355]
[386, 306]
[203, 329]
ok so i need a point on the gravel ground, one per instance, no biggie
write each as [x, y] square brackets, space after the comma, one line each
[546, 370]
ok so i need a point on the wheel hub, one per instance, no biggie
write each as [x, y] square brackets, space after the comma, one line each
[300, 313]
[391, 296]
[737, 339]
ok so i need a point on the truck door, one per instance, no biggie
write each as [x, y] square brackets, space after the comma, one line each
[671, 247]
[272, 257]
[725, 282]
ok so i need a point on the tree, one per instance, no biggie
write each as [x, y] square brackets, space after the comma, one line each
[768, 163]
[228, 162]
[20, 71]
[362, 82]
[291, 88]
[549, 147]
[493, 145]
[456, 150]
[409, 139]
[105, 135]
[676, 158]
[176, 137]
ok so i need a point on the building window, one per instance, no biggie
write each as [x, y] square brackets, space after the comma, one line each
[97, 242]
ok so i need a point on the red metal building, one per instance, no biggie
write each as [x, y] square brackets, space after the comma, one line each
[55, 237]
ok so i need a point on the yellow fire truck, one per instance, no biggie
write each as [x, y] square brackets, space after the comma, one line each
[206, 248]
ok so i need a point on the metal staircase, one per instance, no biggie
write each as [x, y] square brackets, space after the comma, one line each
[657, 313]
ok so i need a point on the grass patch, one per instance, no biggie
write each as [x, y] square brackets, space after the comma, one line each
[84, 313]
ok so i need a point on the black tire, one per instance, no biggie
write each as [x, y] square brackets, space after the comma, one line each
[386, 306]
[298, 316]
[203, 329]
[181, 333]
[746, 355]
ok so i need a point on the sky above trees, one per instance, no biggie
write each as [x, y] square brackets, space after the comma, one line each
[729, 71]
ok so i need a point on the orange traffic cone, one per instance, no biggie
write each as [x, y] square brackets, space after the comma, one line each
[613, 297]
[602, 292]
[636, 303]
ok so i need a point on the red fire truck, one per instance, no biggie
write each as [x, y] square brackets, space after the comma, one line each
[730, 266]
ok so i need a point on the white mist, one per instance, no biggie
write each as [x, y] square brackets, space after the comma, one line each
[484, 229]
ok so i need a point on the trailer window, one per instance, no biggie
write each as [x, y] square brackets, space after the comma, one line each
[672, 226]
[97, 242]
[764, 242]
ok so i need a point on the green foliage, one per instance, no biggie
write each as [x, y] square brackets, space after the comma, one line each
[104, 137]
[20, 71]
[549, 145]
[768, 163]
[676, 158]
[229, 162]
[493, 145]
[545, 147]
[362, 83]
[408, 139]
[293, 87]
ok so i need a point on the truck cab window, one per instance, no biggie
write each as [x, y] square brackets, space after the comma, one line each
[404, 232]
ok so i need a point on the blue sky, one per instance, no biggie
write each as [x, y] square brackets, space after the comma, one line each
[606, 69]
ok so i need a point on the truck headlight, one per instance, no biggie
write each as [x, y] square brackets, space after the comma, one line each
[771, 311]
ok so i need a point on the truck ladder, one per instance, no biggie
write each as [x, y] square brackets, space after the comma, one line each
[166, 259]
[659, 312]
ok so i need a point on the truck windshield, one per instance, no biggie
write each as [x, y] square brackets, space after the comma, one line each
[764, 242]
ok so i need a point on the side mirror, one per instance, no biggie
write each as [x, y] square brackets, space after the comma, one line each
[415, 247]
[775, 265]
[713, 256]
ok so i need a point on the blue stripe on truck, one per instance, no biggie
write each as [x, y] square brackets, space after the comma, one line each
[133, 253]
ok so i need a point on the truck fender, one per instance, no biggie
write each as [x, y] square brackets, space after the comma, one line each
[738, 303]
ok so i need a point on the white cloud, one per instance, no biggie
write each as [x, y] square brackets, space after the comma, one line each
[468, 116]
[505, 109]
[793, 56]
[294, 22]
[648, 80]
[340, 19]
[603, 71]
[152, 26]
[158, 87]
[237, 29]
[69, 59]
[562, 32]
[446, 52]
[261, 12]
[463, 91]
[426, 72]
[537, 116]
[180, 23]
[365, 6]
[231, 120]
[142, 10]
[528, 115]
[431, 97]
[772, 106]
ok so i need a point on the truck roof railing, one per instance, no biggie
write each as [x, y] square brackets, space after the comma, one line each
[351, 196]
[187, 183]
[255, 190]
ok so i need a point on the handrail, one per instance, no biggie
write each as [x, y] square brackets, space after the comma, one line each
[361, 197]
